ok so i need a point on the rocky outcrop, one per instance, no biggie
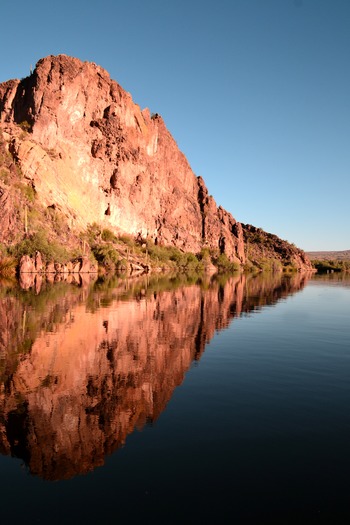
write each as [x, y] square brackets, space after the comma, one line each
[86, 147]
[267, 251]
[35, 264]
[10, 223]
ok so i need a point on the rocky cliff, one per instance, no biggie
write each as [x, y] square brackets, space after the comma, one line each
[87, 150]
[268, 252]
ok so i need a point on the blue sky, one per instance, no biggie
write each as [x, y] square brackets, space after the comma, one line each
[255, 92]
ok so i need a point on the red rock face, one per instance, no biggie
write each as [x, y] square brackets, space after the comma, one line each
[91, 151]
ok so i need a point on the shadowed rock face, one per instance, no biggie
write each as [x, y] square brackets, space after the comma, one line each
[91, 151]
[82, 373]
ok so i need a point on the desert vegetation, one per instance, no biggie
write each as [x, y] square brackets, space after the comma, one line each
[268, 253]
[45, 230]
[331, 265]
[7, 266]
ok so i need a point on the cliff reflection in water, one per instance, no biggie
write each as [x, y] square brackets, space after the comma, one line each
[82, 367]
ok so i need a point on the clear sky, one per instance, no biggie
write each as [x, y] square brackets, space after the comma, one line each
[255, 92]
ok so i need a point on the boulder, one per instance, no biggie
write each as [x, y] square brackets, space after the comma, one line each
[85, 265]
[26, 265]
[50, 267]
[38, 262]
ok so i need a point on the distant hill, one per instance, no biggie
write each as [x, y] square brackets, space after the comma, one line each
[322, 256]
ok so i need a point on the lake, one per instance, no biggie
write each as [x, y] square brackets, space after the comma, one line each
[154, 400]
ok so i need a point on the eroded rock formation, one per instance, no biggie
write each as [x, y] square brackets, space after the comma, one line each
[88, 149]
[35, 264]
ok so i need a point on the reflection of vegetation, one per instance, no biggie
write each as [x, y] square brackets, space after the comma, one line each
[221, 279]
[7, 283]
[105, 283]
[30, 314]
[333, 277]
[26, 314]
[268, 288]
[50, 293]
[109, 288]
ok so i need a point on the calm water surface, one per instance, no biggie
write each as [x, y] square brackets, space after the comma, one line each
[154, 401]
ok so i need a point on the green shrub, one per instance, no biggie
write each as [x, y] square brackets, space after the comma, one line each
[93, 232]
[288, 268]
[331, 265]
[122, 265]
[108, 236]
[25, 126]
[5, 175]
[158, 253]
[204, 255]
[223, 264]
[27, 191]
[173, 257]
[57, 219]
[105, 255]
[128, 240]
[269, 264]
[3, 250]
[187, 262]
[7, 266]
[177, 256]
[50, 250]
